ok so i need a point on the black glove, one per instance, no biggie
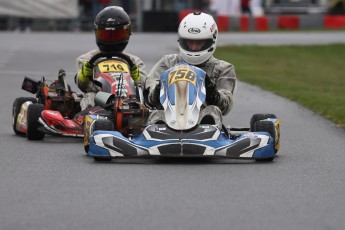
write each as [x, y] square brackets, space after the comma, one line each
[154, 99]
[212, 94]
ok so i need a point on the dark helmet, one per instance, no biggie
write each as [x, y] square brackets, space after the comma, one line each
[112, 29]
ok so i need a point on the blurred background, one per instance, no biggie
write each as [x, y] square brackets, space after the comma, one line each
[164, 15]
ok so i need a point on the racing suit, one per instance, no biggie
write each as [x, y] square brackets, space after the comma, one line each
[220, 72]
[89, 88]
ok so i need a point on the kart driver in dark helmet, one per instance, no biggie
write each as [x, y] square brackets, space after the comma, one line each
[197, 39]
[112, 28]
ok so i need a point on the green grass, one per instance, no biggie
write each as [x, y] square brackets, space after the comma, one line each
[313, 76]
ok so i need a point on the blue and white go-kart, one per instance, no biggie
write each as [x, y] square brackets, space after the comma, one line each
[182, 95]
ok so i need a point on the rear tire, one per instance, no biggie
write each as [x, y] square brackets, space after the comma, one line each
[34, 113]
[17, 104]
[258, 117]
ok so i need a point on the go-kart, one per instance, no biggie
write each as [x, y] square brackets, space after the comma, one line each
[181, 134]
[57, 111]
[121, 101]
[55, 98]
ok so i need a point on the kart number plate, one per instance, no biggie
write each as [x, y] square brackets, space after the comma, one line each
[113, 66]
[182, 74]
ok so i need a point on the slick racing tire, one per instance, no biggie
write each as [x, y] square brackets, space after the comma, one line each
[34, 113]
[102, 159]
[101, 124]
[266, 126]
[105, 125]
[17, 104]
[259, 117]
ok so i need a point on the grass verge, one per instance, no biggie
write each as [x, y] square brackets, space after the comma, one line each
[313, 76]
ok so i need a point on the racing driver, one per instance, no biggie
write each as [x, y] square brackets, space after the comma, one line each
[112, 28]
[197, 39]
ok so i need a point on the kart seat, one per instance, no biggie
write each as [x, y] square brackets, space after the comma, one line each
[208, 120]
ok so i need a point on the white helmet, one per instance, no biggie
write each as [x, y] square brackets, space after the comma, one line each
[197, 27]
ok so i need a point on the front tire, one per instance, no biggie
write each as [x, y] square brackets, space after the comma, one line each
[101, 124]
[266, 126]
[102, 159]
[265, 160]
[17, 104]
[258, 117]
[34, 113]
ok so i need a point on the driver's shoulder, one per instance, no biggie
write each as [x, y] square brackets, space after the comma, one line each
[171, 59]
[218, 63]
[88, 55]
[133, 57]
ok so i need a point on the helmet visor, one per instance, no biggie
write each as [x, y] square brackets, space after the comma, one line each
[112, 36]
[195, 45]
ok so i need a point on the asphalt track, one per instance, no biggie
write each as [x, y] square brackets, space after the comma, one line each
[51, 184]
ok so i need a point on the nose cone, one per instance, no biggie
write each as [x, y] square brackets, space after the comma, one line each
[181, 106]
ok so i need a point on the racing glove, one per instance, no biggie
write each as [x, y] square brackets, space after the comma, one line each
[135, 74]
[212, 94]
[86, 72]
[155, 94]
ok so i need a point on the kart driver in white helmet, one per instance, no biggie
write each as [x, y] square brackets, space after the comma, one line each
[197, 39]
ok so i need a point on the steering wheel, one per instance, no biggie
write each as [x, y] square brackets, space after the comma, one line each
[110, 55]
[107, 55]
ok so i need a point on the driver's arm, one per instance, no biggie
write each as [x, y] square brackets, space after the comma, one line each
[85, 72]
[138, 73]
[224, 77]
[152, 81]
